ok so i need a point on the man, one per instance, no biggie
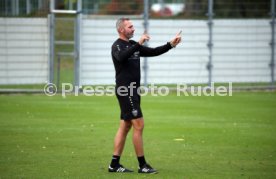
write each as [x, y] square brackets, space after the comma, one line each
[126, 58]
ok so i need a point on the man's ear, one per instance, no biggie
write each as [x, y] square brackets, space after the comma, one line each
[121, 30]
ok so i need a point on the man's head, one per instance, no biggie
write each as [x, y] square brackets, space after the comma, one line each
[125, 28]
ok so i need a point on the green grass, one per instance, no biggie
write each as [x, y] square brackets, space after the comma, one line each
[72, 137]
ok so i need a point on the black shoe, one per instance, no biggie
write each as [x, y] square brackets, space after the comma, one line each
[147, 169]
[119, 168]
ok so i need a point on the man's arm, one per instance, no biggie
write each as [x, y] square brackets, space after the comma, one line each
[151, 52]
[123, 54]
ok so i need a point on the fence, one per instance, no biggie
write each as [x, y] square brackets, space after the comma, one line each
[243, 55]
[214, 51]
[238, 48]
[24, 51]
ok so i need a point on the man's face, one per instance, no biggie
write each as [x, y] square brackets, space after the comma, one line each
[128, 29]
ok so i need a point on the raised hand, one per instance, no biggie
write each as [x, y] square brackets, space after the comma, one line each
[144, 37]
[176, 40]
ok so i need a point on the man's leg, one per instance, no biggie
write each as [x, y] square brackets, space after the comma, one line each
[119, 143]
[137, 138]
[120, 138]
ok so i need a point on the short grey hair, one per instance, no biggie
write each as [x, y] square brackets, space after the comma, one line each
[120, 21]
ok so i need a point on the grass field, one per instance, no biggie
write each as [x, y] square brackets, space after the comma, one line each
[72, 137]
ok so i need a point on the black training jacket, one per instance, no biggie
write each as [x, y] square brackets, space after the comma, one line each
[126, 59]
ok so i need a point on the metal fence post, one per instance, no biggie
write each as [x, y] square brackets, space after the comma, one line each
[76, 40]
[146, 23]
[210, 42]
[77, 44]
[28, 7]
[15, 7]
[51, 43]
[39, 4]
[272, 44]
